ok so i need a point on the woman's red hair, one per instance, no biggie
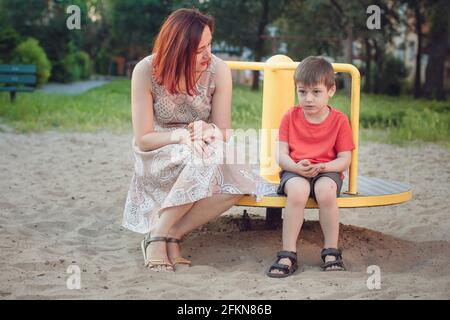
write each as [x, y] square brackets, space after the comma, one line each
[176, 47]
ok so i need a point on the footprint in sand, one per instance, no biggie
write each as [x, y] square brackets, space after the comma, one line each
[88, 232]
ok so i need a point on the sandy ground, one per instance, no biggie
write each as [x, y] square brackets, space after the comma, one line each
[61, 203]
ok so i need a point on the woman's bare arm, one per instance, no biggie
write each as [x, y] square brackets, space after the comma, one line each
[221, 102]
[142, 112]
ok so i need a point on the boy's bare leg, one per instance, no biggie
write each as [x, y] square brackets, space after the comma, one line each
[325, 190]
[297, 190]
[201, 212]
[169, 216]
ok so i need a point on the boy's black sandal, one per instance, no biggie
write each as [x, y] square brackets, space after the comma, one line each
[285, 269]
[328, 266]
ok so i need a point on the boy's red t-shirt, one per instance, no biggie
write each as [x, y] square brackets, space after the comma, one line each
[316, 142]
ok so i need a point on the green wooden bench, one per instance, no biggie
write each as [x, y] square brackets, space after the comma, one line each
[17, 78]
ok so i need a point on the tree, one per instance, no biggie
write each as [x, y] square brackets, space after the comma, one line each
[30, 52]
[300, 25]
[9, 39]
[353, 19]
[24, 16]
[418, 14]
[136, 23]
[331, 27]
[416, 9]
[243, 24]
[97, 34]
[438, 44]
[46, 22]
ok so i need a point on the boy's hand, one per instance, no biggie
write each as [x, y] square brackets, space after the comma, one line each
[306, 169]
[304, 162]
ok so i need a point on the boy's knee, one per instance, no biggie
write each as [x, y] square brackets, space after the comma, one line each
[297, 201]
[297, 190]
[298, 197]
[326, 192]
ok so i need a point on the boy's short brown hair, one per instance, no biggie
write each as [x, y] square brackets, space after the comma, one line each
[314, 70]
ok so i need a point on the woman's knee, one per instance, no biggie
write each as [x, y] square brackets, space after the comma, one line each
[234, 198]
[227, 197]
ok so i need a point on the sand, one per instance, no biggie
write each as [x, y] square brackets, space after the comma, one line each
[61, 203]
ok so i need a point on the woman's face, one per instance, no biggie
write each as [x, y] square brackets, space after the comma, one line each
[204, 50]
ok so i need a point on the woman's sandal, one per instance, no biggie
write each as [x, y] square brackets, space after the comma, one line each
[154, 263]
[328, 266]
[178, 260]
[287, 270]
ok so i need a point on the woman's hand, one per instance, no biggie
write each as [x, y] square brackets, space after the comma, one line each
[199, 146]
[201, 130]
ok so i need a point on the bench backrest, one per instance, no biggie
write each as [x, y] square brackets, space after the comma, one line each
[18, 74]
[279, 96]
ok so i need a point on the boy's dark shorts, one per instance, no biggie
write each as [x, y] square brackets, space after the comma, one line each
[286, 175]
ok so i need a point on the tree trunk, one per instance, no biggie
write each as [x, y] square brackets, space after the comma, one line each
[437, 48]
[368, 60]
[418, 25]
[434, 83]
[348, 54]
[259, 44]
[378, 64]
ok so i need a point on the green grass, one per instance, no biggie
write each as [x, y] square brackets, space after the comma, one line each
[388, 119]
[106, 107]
[247, 108]
[401, 119]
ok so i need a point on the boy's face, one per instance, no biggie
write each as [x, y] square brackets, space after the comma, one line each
[314, 99]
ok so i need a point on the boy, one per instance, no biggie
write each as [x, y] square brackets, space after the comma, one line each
[315, 144]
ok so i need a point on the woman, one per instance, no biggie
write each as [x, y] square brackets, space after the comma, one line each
[181, 108]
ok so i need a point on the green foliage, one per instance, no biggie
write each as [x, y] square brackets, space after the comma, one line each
[101, 62]
[249, 14]
[30, 52]
[393, 73]
[9, 39]
[46, 22]
[301, 20]
[74, 66]
[136, 23]
[85, 64]
[23, 15]
[67, 69]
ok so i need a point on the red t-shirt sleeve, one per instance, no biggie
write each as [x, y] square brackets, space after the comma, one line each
[344, 140]
[283, 133]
